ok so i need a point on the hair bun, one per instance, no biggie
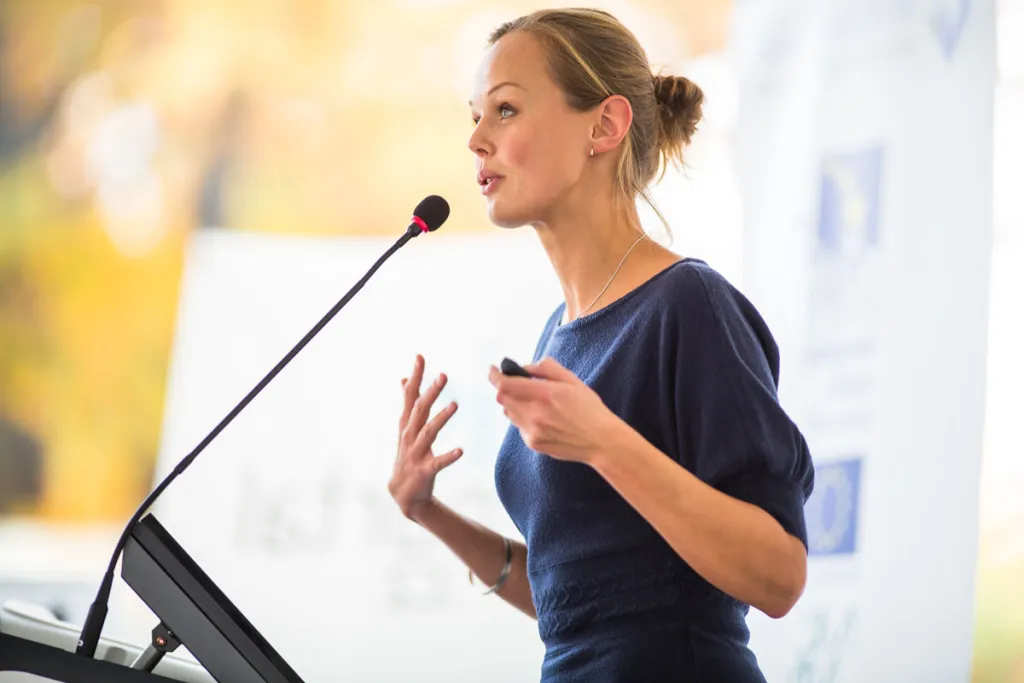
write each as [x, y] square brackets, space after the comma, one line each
[679, 110]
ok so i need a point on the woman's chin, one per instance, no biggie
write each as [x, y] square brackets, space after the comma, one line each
[502, 217]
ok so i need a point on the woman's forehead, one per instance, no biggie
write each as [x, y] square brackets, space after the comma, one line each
[516, 58]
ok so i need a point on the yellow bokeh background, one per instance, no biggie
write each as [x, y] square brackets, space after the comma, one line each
[133, 124]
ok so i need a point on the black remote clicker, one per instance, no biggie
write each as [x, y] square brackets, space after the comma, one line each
[512, 368]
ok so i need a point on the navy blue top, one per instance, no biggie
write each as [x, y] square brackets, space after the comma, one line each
[688, 362]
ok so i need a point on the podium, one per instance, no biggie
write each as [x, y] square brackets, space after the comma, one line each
[192, 611]
[48, 663]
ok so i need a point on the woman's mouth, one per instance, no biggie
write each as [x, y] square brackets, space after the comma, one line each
[490, 185]
[488, 182]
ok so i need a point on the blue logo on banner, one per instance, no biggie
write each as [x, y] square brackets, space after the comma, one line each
[850, 190]
[948, 22]
[832, 510]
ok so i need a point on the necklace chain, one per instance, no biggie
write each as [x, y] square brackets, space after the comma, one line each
[608, 284]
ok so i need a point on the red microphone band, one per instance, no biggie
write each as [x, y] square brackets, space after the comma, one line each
[420, 222]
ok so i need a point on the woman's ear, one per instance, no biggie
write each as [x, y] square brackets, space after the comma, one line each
[614, 118]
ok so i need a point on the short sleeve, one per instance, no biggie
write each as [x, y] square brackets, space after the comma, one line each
[734, 433]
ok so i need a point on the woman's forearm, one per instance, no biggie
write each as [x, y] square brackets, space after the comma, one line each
[482, 550]
[734, 545]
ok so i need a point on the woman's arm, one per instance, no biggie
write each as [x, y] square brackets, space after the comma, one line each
[735, 546]
[482, 550]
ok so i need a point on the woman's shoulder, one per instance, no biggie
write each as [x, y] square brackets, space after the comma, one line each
[691, 287]
[709, 311]
[686, 295]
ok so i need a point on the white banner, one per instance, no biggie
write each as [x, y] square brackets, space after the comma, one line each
[288, 510]
[865, 160]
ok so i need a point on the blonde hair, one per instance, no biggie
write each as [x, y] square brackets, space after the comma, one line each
[592, 56]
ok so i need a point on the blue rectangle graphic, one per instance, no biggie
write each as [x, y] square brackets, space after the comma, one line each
[833, 509]
[849, 203]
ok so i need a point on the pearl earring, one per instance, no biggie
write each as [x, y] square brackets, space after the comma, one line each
[591, 151]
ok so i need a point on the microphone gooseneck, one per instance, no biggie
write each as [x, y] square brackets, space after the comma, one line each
[429, 215]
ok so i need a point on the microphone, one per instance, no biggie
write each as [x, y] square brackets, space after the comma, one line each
[428, 216]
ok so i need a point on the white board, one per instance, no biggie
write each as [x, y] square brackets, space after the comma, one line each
[288, 510]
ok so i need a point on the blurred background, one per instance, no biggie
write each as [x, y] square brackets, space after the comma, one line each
[132, 132]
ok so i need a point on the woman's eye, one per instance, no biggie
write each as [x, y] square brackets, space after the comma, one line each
[504, 111]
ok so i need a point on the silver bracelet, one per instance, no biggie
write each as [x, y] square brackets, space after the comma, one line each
[505, 571]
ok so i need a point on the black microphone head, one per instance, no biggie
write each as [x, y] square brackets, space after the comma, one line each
[433, 212]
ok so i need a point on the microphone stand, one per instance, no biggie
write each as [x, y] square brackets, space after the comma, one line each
[98, 610]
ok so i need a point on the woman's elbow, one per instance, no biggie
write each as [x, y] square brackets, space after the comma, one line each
[788, 585]
[780, 605]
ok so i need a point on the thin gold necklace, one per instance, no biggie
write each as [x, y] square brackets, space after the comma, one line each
[608, 284]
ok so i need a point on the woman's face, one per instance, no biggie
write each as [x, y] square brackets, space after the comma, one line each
[530, 145]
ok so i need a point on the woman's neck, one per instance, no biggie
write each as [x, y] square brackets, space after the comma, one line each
[587, 244]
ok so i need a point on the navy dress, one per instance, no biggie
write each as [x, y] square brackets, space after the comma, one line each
[687, 361]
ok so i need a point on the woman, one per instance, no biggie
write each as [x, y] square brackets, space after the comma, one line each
[657, 481]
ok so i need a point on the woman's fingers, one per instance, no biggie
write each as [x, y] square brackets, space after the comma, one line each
[411, 387]
[430, 431]
[416, 433]
[421, 408]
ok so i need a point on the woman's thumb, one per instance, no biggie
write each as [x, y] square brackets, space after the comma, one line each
[442, 461]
